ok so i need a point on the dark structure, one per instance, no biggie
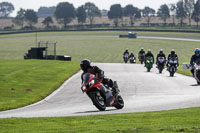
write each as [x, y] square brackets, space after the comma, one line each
[42, 53]
[130, 35]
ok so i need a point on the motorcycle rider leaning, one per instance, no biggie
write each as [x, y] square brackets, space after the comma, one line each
[160, 54]
[87, 68]
[172, 55]
[194, 58]
[125, 52]
[149, 54]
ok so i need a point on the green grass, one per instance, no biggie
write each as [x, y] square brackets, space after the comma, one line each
[175, 121]
[98, 46]
[23, 82]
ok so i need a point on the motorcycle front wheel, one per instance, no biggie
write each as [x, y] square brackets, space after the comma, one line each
[98, 100]
[120, 102]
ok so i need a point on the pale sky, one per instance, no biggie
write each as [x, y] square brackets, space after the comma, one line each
[102, 4]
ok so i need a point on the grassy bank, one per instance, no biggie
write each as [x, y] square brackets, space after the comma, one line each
[183, 120]
[23, 82]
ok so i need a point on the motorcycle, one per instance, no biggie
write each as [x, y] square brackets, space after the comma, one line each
[149, 63]
[126, 58]
[172, 66]
[141, 58]
[132, 60]
[161, 64]
[197, 72]
[100, 94]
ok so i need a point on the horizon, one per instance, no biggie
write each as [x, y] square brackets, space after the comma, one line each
[36, 4]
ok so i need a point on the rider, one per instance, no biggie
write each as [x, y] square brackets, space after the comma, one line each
[125, 52]
[141, 52]
[149, 54]
[131, 55]
[194, 58]
[87, 68]
[160, 54]
[171, 55]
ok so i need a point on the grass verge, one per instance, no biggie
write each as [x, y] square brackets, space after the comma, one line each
[24, 82]
[183, 120]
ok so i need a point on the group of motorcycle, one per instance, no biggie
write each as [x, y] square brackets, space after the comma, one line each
[132, 59]
[171, 65]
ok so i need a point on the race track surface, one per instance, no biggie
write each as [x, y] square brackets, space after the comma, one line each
[142, 91]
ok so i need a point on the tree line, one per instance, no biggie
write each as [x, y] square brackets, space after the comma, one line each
[65, 13]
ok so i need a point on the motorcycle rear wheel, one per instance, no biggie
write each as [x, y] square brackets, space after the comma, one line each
[120, 102]
[98, 100]
[171, 74]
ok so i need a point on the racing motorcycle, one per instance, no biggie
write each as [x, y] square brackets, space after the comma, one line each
[141, 58]
[101, 95]
[149, 63]
[132, 60]
[126, 58]
[161, 64]
[172, 66]
[197, 72]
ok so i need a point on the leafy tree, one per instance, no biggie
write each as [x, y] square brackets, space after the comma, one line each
[81, 14]
[92, 11]
[31, 17]
[64, 13]
[173, 12]
[189, 8]
[47, 21]
[6, 9]
[115, 13]
[180, 11]
[148, 12]
[20, 18]
[132, 12]
[196, 13]
[163, 12]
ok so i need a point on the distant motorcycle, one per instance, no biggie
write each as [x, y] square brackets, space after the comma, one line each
[197, 72]
[149, 63]
[172, 66]
[100, 94]
[141, 58]
[132, 60]
[126, 58]
[161, 64]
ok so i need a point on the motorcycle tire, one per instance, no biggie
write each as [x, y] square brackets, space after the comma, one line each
[148, 69]
[160, 71]
[120, 102]
[98, 100]
[198, 83]
[171, 74]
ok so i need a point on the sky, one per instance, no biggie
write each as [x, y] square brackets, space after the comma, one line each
[102, 4]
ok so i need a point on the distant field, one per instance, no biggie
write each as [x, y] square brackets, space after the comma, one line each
[97, 46]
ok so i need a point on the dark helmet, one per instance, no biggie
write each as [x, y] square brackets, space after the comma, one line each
[161, 51]
[173, 51]
[142, 49]
[85, 64]
[196, 51]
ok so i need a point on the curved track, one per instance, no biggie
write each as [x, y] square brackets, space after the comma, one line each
[142, 91]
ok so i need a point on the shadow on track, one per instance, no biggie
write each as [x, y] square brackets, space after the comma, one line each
[95, 111]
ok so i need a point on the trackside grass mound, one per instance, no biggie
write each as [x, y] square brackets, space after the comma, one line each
[175, 121]
[23, 82]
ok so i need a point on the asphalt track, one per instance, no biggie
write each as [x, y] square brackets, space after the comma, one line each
[142, 91]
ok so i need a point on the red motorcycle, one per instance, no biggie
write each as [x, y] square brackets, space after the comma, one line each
[101, 95]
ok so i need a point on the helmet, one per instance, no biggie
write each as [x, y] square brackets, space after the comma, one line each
[85, 64]
[197, 51]
[149, 51]
[142, 49]
[161, 51]
[172, 51]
